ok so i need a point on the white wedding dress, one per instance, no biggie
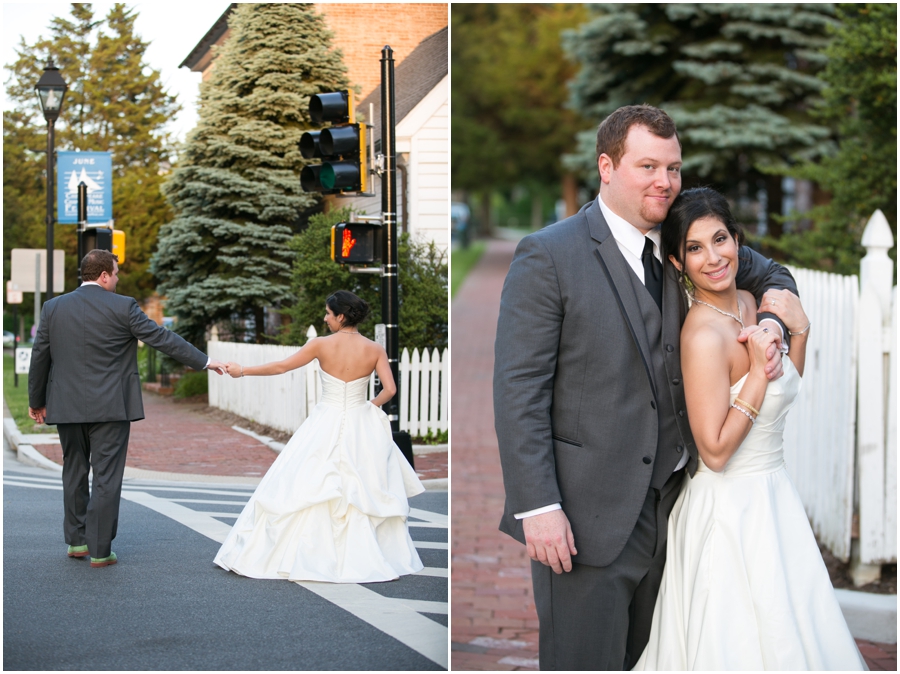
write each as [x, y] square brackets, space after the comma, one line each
[333, 506]
[744, 585]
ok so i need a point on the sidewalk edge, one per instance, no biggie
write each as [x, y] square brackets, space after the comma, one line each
[869, 616]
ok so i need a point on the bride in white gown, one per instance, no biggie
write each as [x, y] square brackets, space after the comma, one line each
[333, 506]
[744, 586]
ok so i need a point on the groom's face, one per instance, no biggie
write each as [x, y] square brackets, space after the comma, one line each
[645, 183]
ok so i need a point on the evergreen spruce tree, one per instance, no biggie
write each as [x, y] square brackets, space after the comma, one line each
[861, 99]
[738, 79]
[236, 192]
[116, 103]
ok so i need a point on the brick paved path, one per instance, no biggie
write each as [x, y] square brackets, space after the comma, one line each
[494, 625]
[177, 437]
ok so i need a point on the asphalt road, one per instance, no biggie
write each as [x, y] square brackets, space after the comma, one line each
[165, 605]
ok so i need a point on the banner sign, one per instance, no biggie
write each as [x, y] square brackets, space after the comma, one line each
[94, 169]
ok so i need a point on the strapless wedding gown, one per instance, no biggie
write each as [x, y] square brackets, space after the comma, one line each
[333, 506]
[744, 585]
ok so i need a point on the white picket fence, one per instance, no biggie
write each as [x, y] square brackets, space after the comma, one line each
[283, 402]
[841, 436]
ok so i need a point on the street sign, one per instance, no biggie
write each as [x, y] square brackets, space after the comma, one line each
[94, 169]
[13, 293]
[23, 360]
[23, 268]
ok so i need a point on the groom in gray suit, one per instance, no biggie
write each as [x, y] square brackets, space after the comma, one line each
[588, 400]
[84, 378]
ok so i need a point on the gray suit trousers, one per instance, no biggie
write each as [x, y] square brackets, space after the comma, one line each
[92, 518]
[598, 618]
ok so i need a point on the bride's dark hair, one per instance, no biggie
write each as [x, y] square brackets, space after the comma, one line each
[344, 303]
[690, 206]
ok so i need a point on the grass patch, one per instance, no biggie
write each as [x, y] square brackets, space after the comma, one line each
[192, 384]
[461, 262]
[17, 398]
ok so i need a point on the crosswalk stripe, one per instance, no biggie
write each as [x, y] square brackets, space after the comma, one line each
[428, 516]
[433, 572]
[431, 545]
[421, 634]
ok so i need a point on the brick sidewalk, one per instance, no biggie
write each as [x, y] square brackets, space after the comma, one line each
[178, 437]
[494, 625]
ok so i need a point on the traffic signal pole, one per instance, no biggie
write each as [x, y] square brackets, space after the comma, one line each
[390, 284]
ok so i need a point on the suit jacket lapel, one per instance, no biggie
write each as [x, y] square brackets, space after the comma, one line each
[617, 272]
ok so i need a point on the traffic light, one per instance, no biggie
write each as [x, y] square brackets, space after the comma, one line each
[118, 245]
[97, 237]
[342, 148]
[112, 240]
[354, 242]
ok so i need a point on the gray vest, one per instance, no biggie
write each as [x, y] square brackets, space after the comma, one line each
[669, 443]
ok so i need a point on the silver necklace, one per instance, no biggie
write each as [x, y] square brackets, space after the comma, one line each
[739, 318]
[349, 332]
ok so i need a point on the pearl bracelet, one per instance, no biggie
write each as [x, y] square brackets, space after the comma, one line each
[242, 370]
[743, 411]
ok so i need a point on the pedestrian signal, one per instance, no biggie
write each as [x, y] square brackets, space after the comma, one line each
[118, 245]
[342, 147]
[354, 243]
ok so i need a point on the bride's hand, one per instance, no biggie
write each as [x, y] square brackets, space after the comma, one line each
[786, 305]
[234, 369]
[759, 341]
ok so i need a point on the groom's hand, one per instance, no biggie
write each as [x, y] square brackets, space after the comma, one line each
[549, 540]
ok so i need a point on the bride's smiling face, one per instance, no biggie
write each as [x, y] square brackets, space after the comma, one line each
[333, 322]
[710, 255]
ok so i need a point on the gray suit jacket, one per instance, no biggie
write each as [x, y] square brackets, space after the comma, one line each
[574, 399]
[84, 360]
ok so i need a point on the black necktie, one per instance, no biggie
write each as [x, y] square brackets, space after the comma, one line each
[652, 272]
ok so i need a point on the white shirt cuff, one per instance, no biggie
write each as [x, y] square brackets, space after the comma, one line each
[784, 346]
[538, 511]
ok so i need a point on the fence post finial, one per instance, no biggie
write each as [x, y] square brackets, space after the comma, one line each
[876, 268]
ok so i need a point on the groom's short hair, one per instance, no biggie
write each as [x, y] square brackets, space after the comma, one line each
[613, 130]
[96, 262]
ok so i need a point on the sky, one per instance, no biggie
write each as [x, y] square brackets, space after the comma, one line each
[171, 29]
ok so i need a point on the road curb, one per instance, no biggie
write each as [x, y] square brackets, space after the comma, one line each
[869, 616]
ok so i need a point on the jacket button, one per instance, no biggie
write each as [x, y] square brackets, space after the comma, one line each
[647, 459]
[670, 348]
[681, 413]
[679, 449]
[676, 382]
[653, 404]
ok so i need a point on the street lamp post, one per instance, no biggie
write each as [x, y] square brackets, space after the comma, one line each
[51, 89]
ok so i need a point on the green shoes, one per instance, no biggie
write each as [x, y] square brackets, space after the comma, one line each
[78, 551]
[104, 561]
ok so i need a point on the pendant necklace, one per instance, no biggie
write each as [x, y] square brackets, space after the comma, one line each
[739, 318]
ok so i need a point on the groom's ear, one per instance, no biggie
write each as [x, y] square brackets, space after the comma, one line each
[675, 262]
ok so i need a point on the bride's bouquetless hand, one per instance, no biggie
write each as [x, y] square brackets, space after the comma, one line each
[234, 369]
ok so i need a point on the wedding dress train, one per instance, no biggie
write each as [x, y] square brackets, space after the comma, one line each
[744, 585]
[333, 506]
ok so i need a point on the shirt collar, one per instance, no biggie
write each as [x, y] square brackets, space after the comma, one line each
[91, 283]
[627, 235]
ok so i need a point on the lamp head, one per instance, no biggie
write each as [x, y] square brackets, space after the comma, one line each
[51, 89]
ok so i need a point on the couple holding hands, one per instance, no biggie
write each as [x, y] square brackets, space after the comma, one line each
[332, 507]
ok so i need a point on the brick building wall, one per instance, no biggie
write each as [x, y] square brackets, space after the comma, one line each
[361, 30]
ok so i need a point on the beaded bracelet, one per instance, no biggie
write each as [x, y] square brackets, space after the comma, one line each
[743, 411]
[242, 370]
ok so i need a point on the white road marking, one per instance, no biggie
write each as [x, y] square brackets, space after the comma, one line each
[428, 516]
[425, 525]
[398, 618]
[421, 634]
[199, 522]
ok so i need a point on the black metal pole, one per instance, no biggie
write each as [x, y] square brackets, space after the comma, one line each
[82, 222]
[15, 343]
[390, 303]
[50, 125]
